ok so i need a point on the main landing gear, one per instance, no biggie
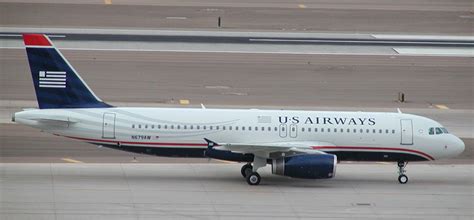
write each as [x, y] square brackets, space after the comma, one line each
[402, 178]
[249, 171]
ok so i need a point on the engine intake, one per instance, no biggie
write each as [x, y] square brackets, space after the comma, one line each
[306, 166]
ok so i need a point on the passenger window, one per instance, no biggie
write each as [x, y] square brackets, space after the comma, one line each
[348, 130]
[139, 126]
[146, 126]
[355, 130]
[179, 126]
[223, 127]
[342, 130]
[386, 131]
[302, 129]
[393, 131]
[322, 129]
[198, 127]
[367, 131]
[243, 128]
[250, 128]
[210, 127]
[236, 128]
[256, 128]
[309, 129]
[230, 128]
[373, 131]
[217, 127]
[329, 130]
[380, 131]
[361, 130]
[269, 129]
[133, 126]
[439, 131]
[315, 129]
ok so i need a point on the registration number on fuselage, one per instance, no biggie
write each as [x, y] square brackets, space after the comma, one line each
[141, 137]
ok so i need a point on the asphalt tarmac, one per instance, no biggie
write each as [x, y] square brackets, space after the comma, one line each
[259, 79]
[217, 191]
[360, 16]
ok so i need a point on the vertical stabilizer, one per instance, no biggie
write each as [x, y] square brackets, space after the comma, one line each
[57, 84]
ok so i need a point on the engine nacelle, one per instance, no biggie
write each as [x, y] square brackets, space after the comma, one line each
[306, 166]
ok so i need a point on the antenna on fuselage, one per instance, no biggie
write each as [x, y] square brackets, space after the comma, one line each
[202, 106]
[399, 111]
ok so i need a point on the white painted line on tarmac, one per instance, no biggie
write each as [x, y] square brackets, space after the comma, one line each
[423, 37]
[420, 51]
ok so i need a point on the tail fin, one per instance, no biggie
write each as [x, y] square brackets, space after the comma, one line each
[57, 84]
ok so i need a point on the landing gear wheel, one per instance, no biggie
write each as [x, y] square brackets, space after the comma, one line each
[403, 179]
[253, 178]
[246, 169]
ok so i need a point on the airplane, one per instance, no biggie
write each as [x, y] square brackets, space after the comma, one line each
[297, 144]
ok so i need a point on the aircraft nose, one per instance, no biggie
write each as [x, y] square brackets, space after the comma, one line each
[458, 145]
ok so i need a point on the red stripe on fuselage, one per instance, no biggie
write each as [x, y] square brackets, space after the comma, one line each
[371, 148]
[36, 40]
[205, 145]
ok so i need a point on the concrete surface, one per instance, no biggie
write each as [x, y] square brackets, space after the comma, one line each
[217, 191]
[276, 79]
[360, 16]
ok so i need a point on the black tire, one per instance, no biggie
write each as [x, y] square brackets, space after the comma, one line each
[402, 179]
[247, 168]
[253, 178]
[401, 164]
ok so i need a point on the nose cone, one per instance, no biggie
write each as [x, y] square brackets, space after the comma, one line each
[457, 146]
[460, 146]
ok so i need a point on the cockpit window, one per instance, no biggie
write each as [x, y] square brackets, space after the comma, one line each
[431, 131]
[438, 130]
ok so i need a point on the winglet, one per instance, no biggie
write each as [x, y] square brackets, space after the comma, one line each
[210, 144]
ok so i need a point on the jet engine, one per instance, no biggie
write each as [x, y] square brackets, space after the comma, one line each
[306, 166]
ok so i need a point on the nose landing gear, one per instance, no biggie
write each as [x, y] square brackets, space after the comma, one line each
[402, 178]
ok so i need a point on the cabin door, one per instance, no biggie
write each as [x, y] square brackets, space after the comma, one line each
[108, 126]
[293, 130]
[406, 131]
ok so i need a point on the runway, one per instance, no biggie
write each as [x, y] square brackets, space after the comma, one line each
[223, 78]
[217, 191]
[362, 16]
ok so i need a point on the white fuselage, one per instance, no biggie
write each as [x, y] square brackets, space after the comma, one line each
[371, 135]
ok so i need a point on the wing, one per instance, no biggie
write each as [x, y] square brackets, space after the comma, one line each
[274, 149]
